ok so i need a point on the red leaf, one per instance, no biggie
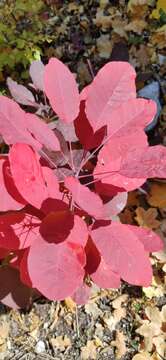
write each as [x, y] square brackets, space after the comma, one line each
[114, 84]
[84, 131]
[130, 117]
[54, 269]
[149, 162]
[18, 230]
[124, 253]
[12, 292]
[37, 74]
[151, 241]
[27, 174]
[10, 199]
[56, 226]
[61, 90]
[84, 198]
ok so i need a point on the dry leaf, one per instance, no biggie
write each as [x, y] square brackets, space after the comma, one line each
[92, 309]
[159, 37]
[4, 332]
[138, 8]
[104, 46]
[142, 356]
[147, 218]
[70, 304]
[102, 21]
[136, 26]
[88, 352]
[117, 303]
[157, 196]
[120, 344]
[152, 328]
[60, 342]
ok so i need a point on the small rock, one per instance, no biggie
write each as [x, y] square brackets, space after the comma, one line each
[152, 91]
[40, 347]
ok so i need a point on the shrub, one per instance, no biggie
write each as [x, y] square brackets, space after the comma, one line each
[63, 184]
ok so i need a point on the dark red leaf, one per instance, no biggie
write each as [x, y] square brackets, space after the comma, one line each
[12, 292]
[88, 138]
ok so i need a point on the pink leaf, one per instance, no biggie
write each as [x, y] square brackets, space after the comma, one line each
[114, 84]
[18, 230]
[104, 277]
[52, 183]
[40, 130]
[12, 292]
[151, 241]
[18, 126]
[81, 296]
[116, 205]
[20, 93]
[130, 117]
[124, 253]
[84, 131]
[67, 130]
[110, 159]
[149, 162]
[79, 233]
[83, 197]
[27, 174]
[37, 74]
[59, 264]
[84, 93]
[10, 199]
[61, 90]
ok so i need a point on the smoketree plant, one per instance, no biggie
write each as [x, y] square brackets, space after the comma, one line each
[72, 158]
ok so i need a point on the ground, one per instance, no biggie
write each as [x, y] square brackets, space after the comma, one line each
[129, 323]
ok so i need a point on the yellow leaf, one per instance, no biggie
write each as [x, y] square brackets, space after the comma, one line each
[161, 5]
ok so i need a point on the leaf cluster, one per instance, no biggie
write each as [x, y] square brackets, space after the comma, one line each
[64, 182]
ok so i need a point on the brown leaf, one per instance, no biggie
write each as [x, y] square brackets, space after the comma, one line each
[120, 344]
[157, 196]
[89, 351]
[147, 218]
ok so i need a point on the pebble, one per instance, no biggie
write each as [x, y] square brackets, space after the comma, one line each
[152, 91]
[40, 347]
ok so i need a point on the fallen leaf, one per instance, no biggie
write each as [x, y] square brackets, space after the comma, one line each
[159, 37]
[104, 46]
[136, 26]
[142, 356]
[60, 342]
[147, 218]
[89, 351]
[120, 344]
[157, 196]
